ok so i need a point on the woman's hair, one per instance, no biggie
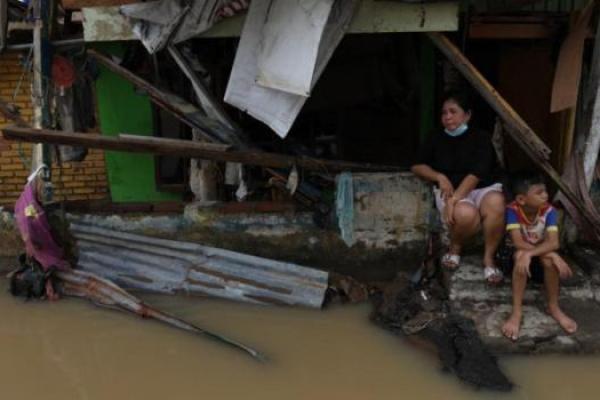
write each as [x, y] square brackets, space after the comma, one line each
[459, 97]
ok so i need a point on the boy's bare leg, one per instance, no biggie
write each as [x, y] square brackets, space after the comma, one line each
[492, 217]
[552, 284]
[511, 327]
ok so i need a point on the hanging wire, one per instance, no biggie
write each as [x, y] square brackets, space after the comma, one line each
[26, 68]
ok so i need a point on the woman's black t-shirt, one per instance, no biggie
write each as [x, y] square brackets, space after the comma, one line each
[456, 157]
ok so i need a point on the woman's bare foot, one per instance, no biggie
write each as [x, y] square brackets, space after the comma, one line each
[563, 320]
[511, 327]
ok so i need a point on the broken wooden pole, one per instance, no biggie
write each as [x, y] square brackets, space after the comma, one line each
[520, 131]
[169, 266]
[186, 148]
[523, 135]
[181, 109]
[202, 179]
[213, 109]
[105, 293]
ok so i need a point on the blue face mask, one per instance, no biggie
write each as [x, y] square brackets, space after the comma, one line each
[458, 131]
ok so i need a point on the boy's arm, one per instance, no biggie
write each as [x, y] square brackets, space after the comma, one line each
[518, 241]
[513, 228]
[551, 243]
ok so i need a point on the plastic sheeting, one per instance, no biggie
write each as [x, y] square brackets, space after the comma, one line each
[35, 229]
[344, 206]
[256, 62]
[291, 68]
[157, 23]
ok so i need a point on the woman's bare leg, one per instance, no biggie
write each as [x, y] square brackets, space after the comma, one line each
[492, 217]
[466, 225]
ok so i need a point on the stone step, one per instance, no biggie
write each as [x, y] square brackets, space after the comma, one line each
[467, 284]
[539, 332]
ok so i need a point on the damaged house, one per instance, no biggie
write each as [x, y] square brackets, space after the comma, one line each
[284, 130]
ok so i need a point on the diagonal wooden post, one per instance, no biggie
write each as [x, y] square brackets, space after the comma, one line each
[523, 135]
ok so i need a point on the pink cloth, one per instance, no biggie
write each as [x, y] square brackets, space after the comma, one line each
[35, 231]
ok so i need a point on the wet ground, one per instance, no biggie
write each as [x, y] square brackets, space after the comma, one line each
[74, 350]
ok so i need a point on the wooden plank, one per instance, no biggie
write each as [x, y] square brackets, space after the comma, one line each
[78, 4]
[186, 148]
[212, 108]
[373, 16]
[511, 31]
[521, 131]
[170, 141]
[568, 69]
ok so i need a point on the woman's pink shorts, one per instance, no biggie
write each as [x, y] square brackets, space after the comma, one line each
[474, 197]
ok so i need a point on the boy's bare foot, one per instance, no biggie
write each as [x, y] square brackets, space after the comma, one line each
[563, 320]
[511, 327]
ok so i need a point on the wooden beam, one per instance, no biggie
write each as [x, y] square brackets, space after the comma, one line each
[186, 148]
[511, 31]
[516, 126]
[521, 131]
[78, 4]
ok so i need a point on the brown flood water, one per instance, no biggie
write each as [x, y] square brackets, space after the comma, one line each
[74, 350]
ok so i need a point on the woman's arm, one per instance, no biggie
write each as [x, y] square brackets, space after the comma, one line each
[468, 183]
[426, 172]
[466, 186]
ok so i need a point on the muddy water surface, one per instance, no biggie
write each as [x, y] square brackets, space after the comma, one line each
[73, 350]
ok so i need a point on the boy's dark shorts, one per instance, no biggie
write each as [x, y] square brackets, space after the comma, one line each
[505, 261]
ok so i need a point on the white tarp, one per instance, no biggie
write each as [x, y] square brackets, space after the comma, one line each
[290, 43]
[276, 108]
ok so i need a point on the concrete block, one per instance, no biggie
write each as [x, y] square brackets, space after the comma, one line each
[391, 210]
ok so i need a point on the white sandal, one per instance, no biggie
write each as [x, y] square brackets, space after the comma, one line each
[493, 275]
[450, 261]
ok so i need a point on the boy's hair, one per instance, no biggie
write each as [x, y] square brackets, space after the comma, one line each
[523, 181]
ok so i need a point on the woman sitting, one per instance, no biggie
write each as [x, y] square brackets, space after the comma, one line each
[461, 162]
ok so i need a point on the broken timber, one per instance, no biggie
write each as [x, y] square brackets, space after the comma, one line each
[181, 109]
[523, 135]
[169, 266]
[185, 148]
[103, 292]
[189, 114]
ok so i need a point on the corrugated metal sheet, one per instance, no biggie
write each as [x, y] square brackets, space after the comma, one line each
[168, 266]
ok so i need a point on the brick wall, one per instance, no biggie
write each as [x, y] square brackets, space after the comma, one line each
[84, 180]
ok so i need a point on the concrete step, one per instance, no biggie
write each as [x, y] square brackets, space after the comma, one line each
[467, 284]
[489, 307]
[539, 332]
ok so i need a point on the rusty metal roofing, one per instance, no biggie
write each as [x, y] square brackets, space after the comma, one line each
[169, 266]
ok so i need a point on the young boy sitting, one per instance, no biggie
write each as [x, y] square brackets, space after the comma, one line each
[531, 223]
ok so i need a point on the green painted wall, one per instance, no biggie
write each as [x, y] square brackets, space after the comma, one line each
[121, 110]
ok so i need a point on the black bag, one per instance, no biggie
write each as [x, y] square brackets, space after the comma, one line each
[29, 280]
